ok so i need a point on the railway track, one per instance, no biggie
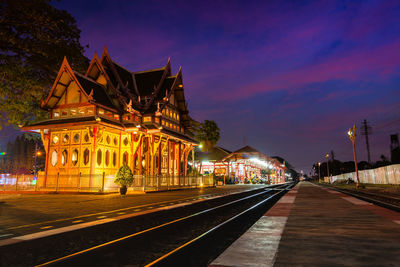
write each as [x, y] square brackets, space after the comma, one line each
[195, 239]
[388, 202]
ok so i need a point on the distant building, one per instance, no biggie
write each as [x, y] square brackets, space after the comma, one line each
[110, 116]
[243, 165]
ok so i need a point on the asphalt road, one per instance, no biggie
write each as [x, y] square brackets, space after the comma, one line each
[26, 214]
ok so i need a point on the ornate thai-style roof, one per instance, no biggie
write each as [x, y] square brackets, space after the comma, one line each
[99, 94]
[111, 86]
[248, 152]
[215, 154]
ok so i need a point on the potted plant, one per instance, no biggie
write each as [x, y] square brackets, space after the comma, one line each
[124, 177]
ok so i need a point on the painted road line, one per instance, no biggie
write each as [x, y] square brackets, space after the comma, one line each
[77, 221]
[93, 214]
[4, 235]
[137, 210]
[101, 217]
[46, 227]
[120, 213]
[59, 230]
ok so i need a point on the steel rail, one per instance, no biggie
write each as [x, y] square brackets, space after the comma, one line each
[371, 200]
[115, 241]
[212, 230]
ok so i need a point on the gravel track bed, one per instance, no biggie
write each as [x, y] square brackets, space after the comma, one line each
[376, 196]
[145, 248]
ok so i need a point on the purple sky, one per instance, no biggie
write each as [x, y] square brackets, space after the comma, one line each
[288, 77]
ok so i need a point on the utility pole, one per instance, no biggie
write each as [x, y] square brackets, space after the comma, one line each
[366, 130]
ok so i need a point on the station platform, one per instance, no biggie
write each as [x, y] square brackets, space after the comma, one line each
[315, 226]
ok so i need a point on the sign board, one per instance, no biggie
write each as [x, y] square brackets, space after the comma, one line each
[220, 171]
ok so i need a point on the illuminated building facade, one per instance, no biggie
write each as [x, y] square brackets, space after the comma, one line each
[246, 163]
[111, 116]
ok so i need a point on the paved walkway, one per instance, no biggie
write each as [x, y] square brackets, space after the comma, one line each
[315, 226]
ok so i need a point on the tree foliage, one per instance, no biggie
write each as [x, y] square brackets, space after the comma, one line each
[34, 38]
[208, 133]
[124, 176]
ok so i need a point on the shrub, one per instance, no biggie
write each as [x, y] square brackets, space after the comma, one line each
[124, 176]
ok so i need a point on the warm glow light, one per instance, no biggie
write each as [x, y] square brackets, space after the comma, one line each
[38, 153]
[319, 163]
[180, 86]
[201, 146]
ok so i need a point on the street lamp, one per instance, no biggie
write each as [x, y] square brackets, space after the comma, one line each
[352, 136]
[327, 163]
[319, 172]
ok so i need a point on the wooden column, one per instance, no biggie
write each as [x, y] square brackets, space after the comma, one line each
[119, 150]
[168, 149]
[173, 161]
[148, 156]
[132, 154]
[46, 166]
[153, 153]
[93, 158]
[140, 156]
[179, 162]
[160, 147]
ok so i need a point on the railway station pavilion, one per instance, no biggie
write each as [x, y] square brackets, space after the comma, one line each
[110, 116]
[245, 165]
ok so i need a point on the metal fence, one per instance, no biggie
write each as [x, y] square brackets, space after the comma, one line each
[98, 182]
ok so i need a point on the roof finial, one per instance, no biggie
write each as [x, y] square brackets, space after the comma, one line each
[158, 112]
[129, 106]
[90, 96]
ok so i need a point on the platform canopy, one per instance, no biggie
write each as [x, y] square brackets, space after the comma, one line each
[252, 154]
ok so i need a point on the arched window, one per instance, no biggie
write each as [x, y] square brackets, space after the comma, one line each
[74, 158]
[126, 142]
[54, 158]
[86, 138]
[55, 139]
[115, 141]
[64, 157]
[108, 139]
[86, 156]
[107, 158]
[99, 154]
[65, 138]
[114, 160]
[76, 138]
[126, 158]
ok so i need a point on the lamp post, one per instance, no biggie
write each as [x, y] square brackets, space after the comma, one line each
[37, 153]
[352, 136]
[319, 172]
[327, 163]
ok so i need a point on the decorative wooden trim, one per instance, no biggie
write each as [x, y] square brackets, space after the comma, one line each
[65, 67]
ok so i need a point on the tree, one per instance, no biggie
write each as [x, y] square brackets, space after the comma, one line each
[34, 38]
[124, 176]
[208, 134]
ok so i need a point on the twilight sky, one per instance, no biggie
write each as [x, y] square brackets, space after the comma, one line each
[286, 77]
